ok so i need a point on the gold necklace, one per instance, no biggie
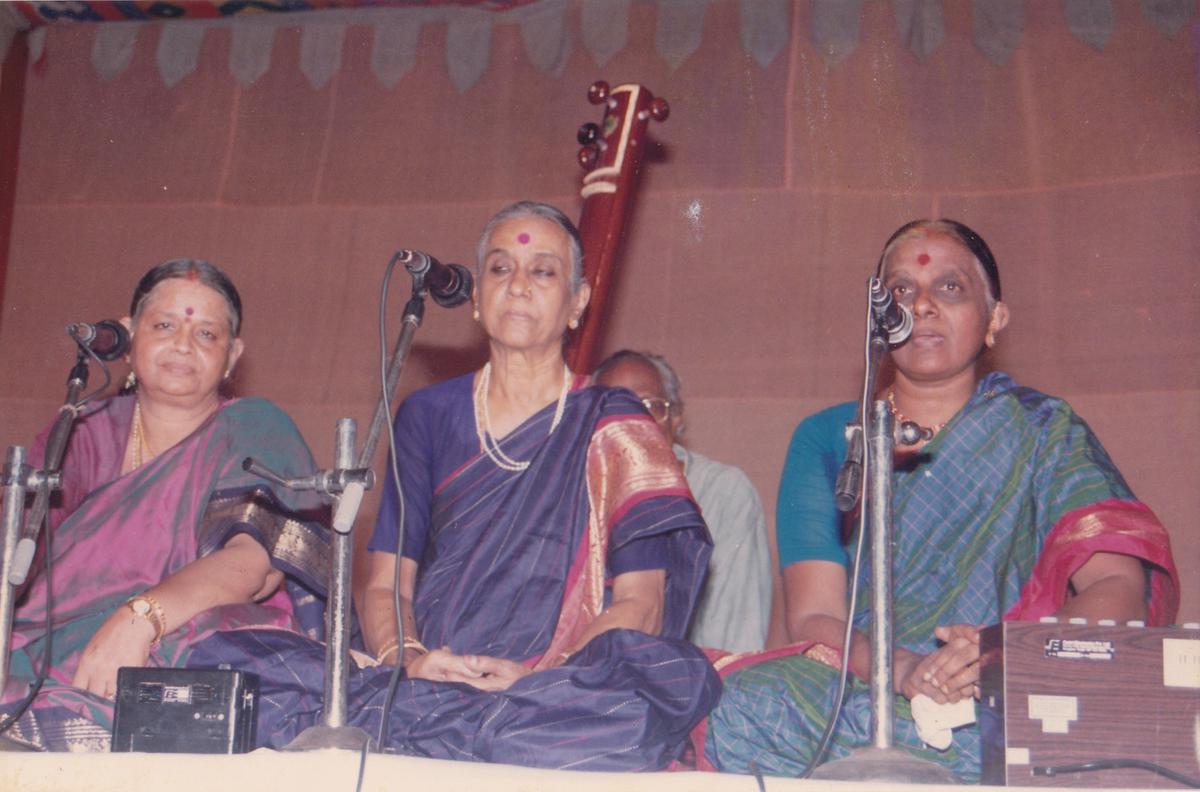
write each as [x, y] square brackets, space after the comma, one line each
[483, 420]
[927, 432]
[137, 439]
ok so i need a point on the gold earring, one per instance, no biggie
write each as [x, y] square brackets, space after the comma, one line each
[131, 381]
[573, 323]
[475, 314]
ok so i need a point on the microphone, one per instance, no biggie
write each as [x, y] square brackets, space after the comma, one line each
[848, 485]
[448, 284]
[892, 318]
[107, 339]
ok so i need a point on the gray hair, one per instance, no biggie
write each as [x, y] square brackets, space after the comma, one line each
[546, 212]
[666, 374]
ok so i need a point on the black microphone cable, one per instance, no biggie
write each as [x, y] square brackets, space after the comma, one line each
[394, 476]
[394, 678]
[1117, 764]
[451, 298]
[394, 473]
[48, 560]
[864, 403]
[843, 675]
[85, 349]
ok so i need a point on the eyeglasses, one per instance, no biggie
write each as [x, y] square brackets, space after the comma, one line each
[659, 409]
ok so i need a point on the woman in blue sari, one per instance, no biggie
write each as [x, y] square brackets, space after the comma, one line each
[1007, 507]
[551, 552]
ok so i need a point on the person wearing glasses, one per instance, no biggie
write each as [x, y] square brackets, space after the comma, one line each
[735, 605]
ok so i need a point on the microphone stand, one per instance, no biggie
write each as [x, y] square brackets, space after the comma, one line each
[881, 761]
[20, 544]
[16, 482]
[348, 485]
[56, 446]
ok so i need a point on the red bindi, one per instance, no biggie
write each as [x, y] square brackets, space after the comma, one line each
[523, 238]
[189, 311]
[923, 259]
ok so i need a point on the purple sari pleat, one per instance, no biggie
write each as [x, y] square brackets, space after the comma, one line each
[114, 536]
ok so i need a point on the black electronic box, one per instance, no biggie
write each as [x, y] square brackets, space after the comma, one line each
[185, 710]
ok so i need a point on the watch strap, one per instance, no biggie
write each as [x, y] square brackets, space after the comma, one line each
[151, 611]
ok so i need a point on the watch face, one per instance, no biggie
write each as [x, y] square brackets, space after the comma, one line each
[140, 606]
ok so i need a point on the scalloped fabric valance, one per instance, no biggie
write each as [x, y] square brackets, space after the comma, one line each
[549, 30]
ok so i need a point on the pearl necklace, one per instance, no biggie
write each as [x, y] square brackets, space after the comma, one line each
[927, 432]
[137, 439]
[483, 420]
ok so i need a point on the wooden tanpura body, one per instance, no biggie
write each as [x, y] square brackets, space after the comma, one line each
[1061, 693]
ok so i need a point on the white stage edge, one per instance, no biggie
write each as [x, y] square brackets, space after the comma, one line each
[332, 769]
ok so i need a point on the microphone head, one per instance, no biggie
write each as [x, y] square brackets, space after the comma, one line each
[457, 288]
[416, 262]
[880, 297]
[893, 318]
[899, 334]
[107, 339]
[448, 284]
[112, 340]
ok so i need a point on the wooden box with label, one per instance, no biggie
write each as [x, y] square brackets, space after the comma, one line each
[1061, 694]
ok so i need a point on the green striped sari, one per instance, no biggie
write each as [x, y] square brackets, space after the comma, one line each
[990, 520]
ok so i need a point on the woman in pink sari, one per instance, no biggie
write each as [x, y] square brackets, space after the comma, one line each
[159, 538]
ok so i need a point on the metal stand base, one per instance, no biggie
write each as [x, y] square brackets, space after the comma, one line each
[314, 737]
[884, 764]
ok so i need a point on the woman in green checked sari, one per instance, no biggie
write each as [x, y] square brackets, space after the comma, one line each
[1008, 508]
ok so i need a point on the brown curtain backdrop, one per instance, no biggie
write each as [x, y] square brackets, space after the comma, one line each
[768, 195]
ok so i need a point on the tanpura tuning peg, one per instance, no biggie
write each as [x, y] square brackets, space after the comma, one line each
[588, 157]
[598, 92]
[588, 133]
[659, 109]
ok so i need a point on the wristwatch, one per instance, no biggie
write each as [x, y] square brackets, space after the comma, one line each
[146, 607]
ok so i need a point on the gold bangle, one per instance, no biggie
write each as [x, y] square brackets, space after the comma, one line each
[388, 647]
[146, 607]
[413, 643]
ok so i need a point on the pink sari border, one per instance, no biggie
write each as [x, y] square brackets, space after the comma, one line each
[1110, 526]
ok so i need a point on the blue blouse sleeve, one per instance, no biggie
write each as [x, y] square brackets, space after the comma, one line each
[413, 448]
[639, 555]
[807, 522]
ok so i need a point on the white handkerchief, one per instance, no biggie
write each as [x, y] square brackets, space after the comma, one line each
[935, 721]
